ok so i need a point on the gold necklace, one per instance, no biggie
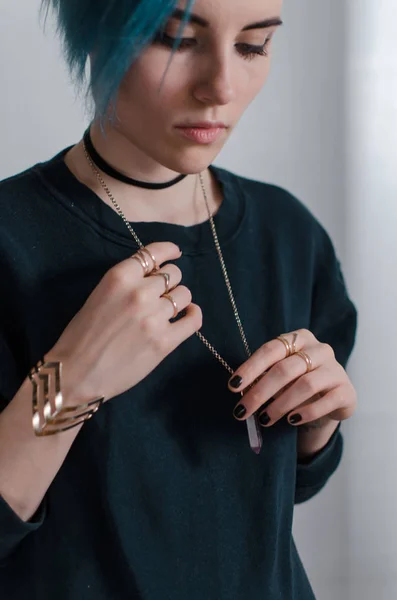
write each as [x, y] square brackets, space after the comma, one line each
[254, 431]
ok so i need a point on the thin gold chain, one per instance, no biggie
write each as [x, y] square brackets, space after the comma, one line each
[218, 248]
[224, 270]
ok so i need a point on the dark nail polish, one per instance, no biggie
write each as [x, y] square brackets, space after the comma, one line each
[239, 411]
[236, 381]
[264, 419]
[295, 419]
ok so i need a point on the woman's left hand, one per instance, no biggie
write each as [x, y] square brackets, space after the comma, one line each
[276, 385]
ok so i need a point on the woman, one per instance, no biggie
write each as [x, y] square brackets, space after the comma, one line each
[167, 462]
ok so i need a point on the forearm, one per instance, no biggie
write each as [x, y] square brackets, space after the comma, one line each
[28, 464]
[313, 437]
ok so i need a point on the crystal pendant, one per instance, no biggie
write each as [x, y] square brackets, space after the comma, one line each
[254, 432]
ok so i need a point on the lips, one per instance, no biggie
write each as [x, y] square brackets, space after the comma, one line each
[203, 125]
[202, 132]
[202, 135]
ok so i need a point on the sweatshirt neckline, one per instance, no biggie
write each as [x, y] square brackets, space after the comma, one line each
[193, 239]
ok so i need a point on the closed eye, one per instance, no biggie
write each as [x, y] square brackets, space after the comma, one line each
[247, 51]
[168, 41]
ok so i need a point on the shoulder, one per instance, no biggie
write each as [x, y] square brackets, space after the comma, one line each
[24, 194]
[19, 181]
[25, 203]
[15, 192]
[274, 205]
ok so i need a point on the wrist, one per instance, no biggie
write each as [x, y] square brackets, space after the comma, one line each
[54, 404]
[312, 440]
[75, 385]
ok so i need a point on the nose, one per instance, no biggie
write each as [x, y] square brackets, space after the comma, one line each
[215, 85]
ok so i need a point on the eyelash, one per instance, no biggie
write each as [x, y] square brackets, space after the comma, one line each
[248, 51]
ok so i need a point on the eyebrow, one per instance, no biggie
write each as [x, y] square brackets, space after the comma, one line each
[181, 15]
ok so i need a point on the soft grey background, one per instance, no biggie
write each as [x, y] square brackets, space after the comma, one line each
[325, 127]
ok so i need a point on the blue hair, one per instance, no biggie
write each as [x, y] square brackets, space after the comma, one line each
[114, 32]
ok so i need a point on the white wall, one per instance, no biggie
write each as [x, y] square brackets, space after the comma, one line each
[371, 546]
[330, 141]
[39, 115]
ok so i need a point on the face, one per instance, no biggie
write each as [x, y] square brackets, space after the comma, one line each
[220, 67]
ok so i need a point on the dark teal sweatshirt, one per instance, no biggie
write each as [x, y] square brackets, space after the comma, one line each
[160, 496]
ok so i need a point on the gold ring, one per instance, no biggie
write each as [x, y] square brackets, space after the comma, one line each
[174, 304]
[166, 279]
[150, 255]
[286, 343]
[307, 359]
[294, 342]
[141, 258]
[289, 346]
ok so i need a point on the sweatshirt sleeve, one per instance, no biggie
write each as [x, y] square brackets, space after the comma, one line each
[12, 529]
[333, 321]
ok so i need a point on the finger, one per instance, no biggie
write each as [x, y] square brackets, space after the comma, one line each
[156, 284]
[176, 301]
[161, 251]
[187, 325]
[265, 357]
[281, 375]
[144, 297]
[335, 403]
[302, 391]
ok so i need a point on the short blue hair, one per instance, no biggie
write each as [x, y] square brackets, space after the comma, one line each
[114, 31]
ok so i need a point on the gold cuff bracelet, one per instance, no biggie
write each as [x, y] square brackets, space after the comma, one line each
[47, 402]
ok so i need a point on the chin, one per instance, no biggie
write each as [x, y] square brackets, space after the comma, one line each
[191, 162]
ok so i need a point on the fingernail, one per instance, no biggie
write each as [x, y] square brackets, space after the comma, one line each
[239, 411]
[264, 419]
[295, 419]
[236, 381]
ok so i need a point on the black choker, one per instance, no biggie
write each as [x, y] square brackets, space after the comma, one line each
[109, 170]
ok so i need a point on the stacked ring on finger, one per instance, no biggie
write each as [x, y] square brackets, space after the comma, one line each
[289, 346]
[307, 359]
[141, 258]
[143, 261]
[150, 255]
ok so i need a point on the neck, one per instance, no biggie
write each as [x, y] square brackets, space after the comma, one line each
[181, 204]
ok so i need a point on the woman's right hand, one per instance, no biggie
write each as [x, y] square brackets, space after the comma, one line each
[123, 330]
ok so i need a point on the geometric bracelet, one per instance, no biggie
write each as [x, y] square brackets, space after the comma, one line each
[47, 402]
